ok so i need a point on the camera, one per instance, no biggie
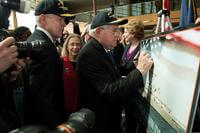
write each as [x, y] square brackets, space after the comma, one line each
[32, 50]
[22, 6]
[82, 121]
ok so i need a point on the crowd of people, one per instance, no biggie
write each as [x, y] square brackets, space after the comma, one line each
[100, 69]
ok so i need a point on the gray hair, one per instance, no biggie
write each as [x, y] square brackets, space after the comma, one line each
[92, 31]
[37, 18]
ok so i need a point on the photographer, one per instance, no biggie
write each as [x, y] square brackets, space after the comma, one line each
[79, 122]
[10, 67]
[8, 57]
[82, 121]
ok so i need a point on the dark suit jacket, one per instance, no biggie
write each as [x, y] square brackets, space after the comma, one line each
[131, 109]
[44, 98]
[101, 87]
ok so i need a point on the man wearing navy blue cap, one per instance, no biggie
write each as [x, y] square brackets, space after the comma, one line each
[101, 87]
[44, 98]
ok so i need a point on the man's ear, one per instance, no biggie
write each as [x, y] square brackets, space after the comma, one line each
[98, 30]
[42, 19]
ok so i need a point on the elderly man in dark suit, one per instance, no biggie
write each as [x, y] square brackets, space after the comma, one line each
[44, 98]
[101, 87]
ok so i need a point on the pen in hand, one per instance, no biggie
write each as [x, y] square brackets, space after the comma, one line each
[136, 56]
[135, 59]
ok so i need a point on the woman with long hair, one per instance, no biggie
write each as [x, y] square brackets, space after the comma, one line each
[70, 51]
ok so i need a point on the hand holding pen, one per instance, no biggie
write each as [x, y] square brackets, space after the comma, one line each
[144, 62]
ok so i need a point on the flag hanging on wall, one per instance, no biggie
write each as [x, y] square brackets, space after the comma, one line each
[187, 13]
[190, 16]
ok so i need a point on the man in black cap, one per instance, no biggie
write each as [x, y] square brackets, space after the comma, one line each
[44, 97]
[101, 87]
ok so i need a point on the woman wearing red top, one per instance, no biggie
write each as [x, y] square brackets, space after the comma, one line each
[70, 51]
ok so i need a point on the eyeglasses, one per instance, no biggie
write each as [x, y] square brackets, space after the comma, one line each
[114, 31]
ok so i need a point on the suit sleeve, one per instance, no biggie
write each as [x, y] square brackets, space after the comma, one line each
[114, 90]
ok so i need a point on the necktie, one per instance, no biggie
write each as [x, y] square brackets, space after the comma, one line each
[110, 55]
[111, 58]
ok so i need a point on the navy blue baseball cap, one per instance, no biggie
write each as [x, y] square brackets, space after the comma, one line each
[53, 7]
[103, 18]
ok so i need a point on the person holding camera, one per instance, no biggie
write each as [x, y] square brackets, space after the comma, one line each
[8, 54]
[8, 57]
[81, 121]
[102, 89]
[10, 67]
[44, 97]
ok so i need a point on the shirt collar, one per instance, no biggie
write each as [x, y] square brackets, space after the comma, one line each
[46, 32]
[107, 50]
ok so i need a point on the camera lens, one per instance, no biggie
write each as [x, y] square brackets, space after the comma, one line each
[82, 121]
[32, 50]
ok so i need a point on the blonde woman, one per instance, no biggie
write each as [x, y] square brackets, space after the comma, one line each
[134, 32]
[70, 51]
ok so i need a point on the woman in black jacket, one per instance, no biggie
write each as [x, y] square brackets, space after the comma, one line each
[134, 32]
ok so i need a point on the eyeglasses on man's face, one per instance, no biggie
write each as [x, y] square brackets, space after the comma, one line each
[114, 31]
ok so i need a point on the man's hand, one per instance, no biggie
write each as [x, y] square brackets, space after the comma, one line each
[19, 66]
[197, 21]
[8, 54]
[144, 63]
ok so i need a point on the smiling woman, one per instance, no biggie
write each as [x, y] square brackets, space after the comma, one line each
[70, 51]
